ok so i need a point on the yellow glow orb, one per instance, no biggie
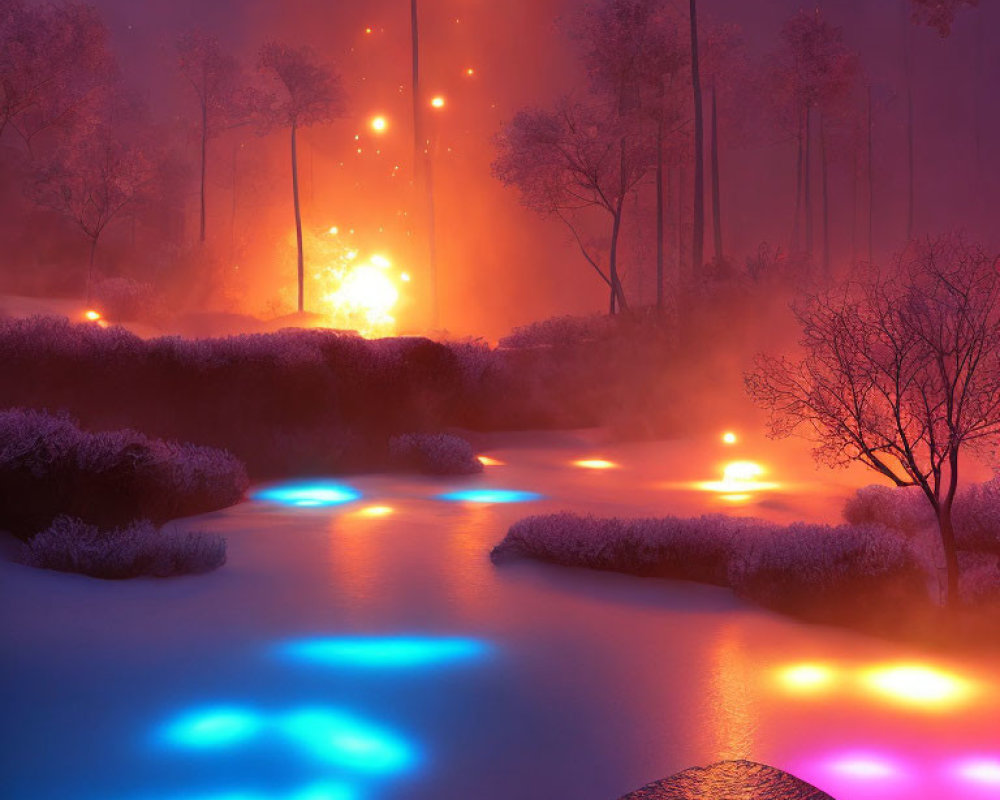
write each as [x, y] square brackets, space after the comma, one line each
[470, 72]
[405, 277]
[437, 101]
[737, 471]
[93, 316]
[334, 230]
[918, 685]
[595, 463]
[368, 30]
[729, 437]
[379, 124]
[486, 461]
[806, 678]
[375, 511]
[380, 261]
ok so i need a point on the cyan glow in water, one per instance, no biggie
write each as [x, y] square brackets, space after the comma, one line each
[220, 726]
[331, 735]
[338, 738]
[308, 494]
[389, 652]
[489, 496]
[324, 790]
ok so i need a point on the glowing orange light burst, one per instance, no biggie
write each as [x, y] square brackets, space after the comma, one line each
[739, 481]
[93, 316]
[404, 277]
[437, 101]
[918, 686]
[379, 124]
[729, 437]
[807, 678]
[470, 72]
[368, 30]
[486, 461]
[595, 463]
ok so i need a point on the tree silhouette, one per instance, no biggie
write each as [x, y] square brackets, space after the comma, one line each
[901, 372]
[216, 80]
[309, 93]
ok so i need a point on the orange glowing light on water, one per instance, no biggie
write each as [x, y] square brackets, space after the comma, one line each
[379, 124]
[595, 463]
[487, 461]
[374, 511]
[807, 678]
[739, 480]
[918, 685]
[729, 437]
[437, 101]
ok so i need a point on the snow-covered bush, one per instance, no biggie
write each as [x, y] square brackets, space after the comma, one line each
[52, 468]
[137, 549]
[813, 570]
[976, 514]
[434, 454]
[979, 579]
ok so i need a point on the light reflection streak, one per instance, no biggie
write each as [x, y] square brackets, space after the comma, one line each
[918, 686]
[595, 463]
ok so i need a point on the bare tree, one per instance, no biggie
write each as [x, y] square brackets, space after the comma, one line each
[216, 79]
[571, 159]
[309, 93]
[55, 64]
[900, 372]
[92, 180]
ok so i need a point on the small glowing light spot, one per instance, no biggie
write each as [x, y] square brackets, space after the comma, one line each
[985, 771]
[334, 230]
[214, 727]
[470, 71]
[738, 478]
[375, 511]
[918, 685]
[405, 277]
[380, 261]
[729, 437]
[806, 678]
[437, 101]
[379, 124]
[487, 461]
[735, 498]
[308, 494]
[92, 315]
[864, 767]
[346, 741]
[490, 496]
[742, 471]
[368, 30]
[388, 652]
[595, 463]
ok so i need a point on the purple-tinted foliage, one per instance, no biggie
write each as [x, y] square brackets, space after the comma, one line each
[138, 549]
[434, 454]
[817, 571]
[49, 467]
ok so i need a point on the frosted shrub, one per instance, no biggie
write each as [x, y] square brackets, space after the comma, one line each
[977, 517]
[434, 454]
[979, 579]
[903, 509]
[52, 467]
[71, 545]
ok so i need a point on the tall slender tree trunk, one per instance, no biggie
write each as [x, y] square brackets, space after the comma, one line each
[716, 196]
[617, 292]
[948, 532]
[204, 158]
[298, 220]
[807, 183]
[698, 231]
[826, 195]
[796, 225]
[659, 215]
[90, 269]
[871, 180]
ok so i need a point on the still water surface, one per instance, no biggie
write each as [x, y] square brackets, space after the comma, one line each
[368, 650]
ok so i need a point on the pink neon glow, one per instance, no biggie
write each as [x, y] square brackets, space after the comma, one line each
[985, 771]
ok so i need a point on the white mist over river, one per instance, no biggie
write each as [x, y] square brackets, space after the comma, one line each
[369, 650]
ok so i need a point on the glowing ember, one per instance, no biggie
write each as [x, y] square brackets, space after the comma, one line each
[595, 463]
[334, 230]
[379, 124]
[486, 461]
[93, 316]
[470, 72]
[375, 511]
[806, 678]
[437, 101]
[918, 685]
[729, 437]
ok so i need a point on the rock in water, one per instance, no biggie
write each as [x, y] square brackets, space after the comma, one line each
[729, 780]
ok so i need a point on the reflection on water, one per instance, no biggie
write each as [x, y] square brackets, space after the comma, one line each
[350, 650]
[308, 494]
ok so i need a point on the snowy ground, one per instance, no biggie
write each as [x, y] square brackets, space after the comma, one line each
[282, 676]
